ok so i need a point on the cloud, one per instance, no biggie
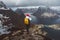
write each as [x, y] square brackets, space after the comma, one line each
[10, 2]
[31, 2]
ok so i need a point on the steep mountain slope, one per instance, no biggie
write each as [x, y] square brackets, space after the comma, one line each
[14, 18]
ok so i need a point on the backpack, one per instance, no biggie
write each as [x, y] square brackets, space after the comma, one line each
[26, 21]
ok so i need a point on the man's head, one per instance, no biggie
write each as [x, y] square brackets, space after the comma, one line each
[28, 16]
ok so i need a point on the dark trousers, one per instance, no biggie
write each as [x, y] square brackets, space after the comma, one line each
[27, 28]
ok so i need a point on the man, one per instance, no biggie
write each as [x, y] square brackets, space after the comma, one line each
[27, 20]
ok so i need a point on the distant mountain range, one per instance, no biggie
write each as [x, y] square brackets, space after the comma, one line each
[26, 10]
[45, 10]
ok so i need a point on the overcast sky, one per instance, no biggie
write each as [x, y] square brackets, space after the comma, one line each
[31, 2]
